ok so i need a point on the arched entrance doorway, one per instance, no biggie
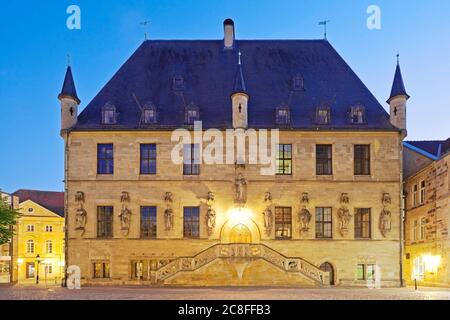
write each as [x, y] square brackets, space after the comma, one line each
[240, 234]
[328, 267]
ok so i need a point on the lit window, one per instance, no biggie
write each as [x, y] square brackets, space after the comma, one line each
[48, 246]
[283, 116]
[284, 159]
[357, 115]
[30, 246]
[297, 83]
[363, 224]
[109, 115]
[422, 192]
[101, 270]
[48, 269]
[365, 272]
[419, 268]
[283, 223]
[323, 115]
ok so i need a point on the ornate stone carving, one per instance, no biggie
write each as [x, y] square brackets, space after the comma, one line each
[240, 190]
[81, 214]
[304, 219]
[168, 213]
[210, 214]
[305, 198]
[344, 199]
[344, 220]
[385, 215]
[125, 214]
[268, 215]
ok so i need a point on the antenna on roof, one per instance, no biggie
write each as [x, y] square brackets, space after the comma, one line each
[324, 24]
[145, 24]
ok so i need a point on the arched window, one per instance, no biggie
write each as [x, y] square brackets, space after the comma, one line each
[357, 115]
[30, 246]
[48, 246]
[149, 114]
[192, 114]
[109, 114]
[328, 267]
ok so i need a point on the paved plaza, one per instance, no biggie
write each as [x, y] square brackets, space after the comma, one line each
[255, 293]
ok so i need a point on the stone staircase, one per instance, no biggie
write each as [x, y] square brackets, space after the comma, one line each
[243, 252]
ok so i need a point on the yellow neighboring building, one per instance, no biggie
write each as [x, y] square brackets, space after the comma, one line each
[40, 237]
[427, 187]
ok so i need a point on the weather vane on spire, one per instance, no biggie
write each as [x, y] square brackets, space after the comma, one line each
[324, 24]
[240, 54]
[398, 58]
[145, 24]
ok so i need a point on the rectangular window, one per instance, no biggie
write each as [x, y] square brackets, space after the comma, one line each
[48, 269]
[105, 159]
[284, 159]
[30, 270]
[362, 160]
[415, 230]
[191, 162]
[415, 195]
[360, 272]
[101, 270]
[148, 222]
[422, 192]
[138, 270]
[191, 220]
[48, 228]
[148, 158]
[105, 222]
[30, 228]
[423, 223]
[362, 224]
[324, 223]
[283, 223]
[370, 272]
[283, 117]
[324, 159]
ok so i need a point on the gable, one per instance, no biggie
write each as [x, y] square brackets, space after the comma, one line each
[30, 208]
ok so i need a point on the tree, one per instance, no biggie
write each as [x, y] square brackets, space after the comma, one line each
[8, 218]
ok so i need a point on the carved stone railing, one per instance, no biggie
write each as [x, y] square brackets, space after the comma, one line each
[243, 252]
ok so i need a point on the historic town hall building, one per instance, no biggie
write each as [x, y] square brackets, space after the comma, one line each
[329, 215]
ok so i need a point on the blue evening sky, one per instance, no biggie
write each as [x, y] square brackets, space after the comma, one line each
[34, 42]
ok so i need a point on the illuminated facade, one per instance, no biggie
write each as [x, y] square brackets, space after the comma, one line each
[40, 238]
[330, 214]
[427, 212]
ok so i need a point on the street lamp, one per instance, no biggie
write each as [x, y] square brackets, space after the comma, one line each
[38, 260]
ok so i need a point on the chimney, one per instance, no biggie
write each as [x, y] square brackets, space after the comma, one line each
[228, 26]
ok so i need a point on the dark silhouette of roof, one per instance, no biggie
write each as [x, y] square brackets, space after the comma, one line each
[53, 201]
[398, 86]
[435, 148]
[209, 74]
[68, 89]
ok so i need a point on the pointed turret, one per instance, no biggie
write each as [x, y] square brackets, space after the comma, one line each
[69, 102]
[239, 99]
[397, 100]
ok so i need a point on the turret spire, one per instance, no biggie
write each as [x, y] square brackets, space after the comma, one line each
[68, 89]
[239, 83]
[398, 87]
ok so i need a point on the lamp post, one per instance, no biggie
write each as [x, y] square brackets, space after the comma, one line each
[38, 260]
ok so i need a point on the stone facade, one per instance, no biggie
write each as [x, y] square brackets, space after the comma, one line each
[427, 221]
[213, 259]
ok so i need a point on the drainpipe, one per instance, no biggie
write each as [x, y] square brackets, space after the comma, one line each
[66, 206]
[402, 207]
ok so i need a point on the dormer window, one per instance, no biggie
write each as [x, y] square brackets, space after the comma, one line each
[149, 114]
[178, 83]
[323, 115]
[297, 83]
[283, 116]
[357, 115]
[109, 114]
[192, 114]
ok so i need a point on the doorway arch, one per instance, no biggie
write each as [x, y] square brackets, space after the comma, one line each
[244, 230]
[240, 234]
[328, 267]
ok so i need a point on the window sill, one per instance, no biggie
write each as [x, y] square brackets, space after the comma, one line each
[325, 177]
[363, 177]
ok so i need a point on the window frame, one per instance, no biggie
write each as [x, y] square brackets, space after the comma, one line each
[319, 118]
[324, 162]
[105, 159]
[111, 110]
[31, 246]
[191, 168]
[148, 157]
[48, 228]
[360, 222]
[362, 160]
[105, 272]
[149, 224]
[30, 229]
[415, 195]
[191, 222]
[286, 118]
[422, 191]
[49, 246]
[322, 232]
[285, 160]
[105, 222]
[285, 224]
[360, 112]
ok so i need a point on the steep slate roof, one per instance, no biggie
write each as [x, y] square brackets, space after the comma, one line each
[68, 89]
[209, 74]
[432, 148]
[53, 201]
[398, 86]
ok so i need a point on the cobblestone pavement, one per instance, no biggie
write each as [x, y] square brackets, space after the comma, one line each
[134, 293]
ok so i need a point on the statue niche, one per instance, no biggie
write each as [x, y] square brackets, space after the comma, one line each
[81, 214]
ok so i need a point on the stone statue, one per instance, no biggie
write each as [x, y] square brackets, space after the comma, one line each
[386, 199]
[168, 219]
[385, 222]
[240, 184]
[305, 218]
[80, 219]
[344, 199]
[125, 219]
[344, 219]
[211, 220]
[268, 221]
[305, 198]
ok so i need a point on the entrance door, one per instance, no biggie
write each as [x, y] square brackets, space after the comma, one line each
[30, 270]
[240, 234]
[327, 267]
